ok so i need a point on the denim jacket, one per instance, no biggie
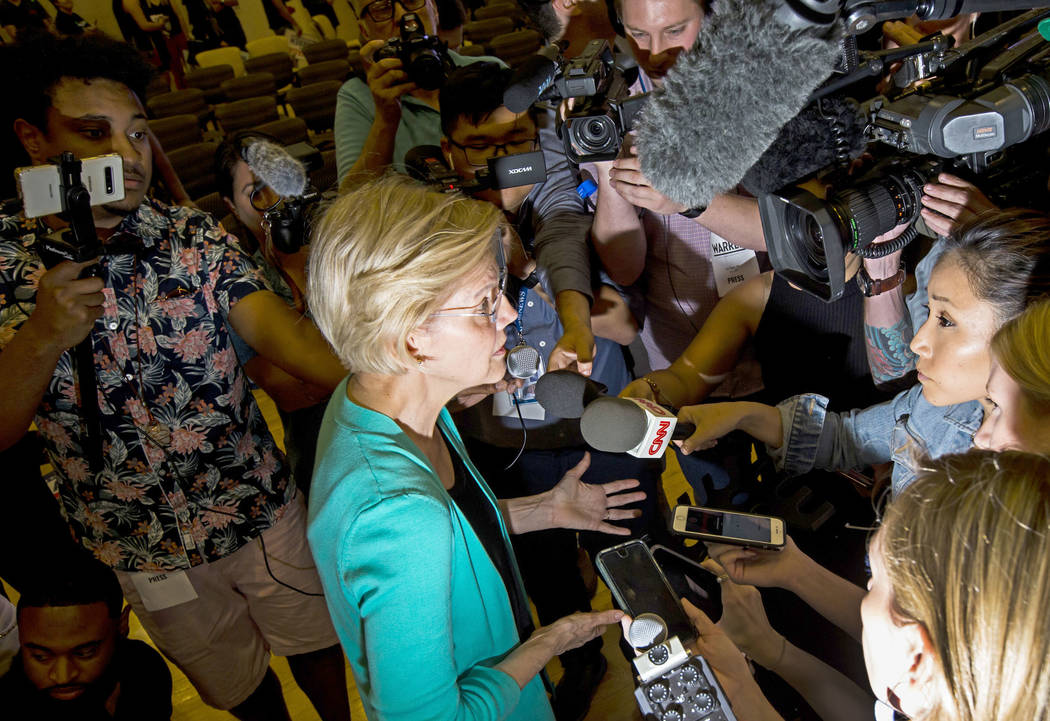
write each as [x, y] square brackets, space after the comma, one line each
[902, 430]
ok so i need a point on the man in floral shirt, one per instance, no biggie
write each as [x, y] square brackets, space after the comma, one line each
[191, 503]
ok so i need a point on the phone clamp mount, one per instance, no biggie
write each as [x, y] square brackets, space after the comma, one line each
[673, 684]
[79, 243]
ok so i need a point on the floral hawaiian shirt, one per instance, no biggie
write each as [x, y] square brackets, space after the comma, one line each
[190, 471]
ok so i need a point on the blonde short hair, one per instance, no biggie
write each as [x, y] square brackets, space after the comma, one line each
[383, 258]
[967, 552]
[1022, 348]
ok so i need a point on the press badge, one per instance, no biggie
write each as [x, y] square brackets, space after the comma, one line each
[732, 264]
[163, 590]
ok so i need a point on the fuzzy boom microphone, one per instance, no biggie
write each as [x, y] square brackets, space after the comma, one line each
[724, 102]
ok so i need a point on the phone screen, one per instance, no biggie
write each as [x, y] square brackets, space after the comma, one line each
[639, 586]
[733, 525]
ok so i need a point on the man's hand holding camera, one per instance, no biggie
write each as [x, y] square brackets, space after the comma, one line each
[388, 82]
[627, 179]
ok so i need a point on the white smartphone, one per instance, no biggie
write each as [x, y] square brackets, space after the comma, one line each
[718, 526]
[38, 185]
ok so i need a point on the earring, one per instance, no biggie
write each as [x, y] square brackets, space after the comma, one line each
[419, 361]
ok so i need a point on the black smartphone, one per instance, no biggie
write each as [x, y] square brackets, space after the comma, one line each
[689, 579]
[639, 586]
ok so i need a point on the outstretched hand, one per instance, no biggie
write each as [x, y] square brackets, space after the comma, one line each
[590, 506]
[712, 421]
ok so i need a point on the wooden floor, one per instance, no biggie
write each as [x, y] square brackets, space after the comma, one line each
[614, 700]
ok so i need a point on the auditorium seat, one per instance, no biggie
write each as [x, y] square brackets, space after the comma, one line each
[277, 64]
[288, 131]
[180, 102]
[212, 204]
[500, 10]
[334, 49]
[210, 80]
[327, 70]
[176, 131]
[315, 104]
[513, 48]
[245, 113]
[222, 56]
[265, 46]
[159, 84]
[252, 85]
[195, 166]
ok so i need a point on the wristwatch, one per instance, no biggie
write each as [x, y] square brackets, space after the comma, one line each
[693, 212]
[870, 286]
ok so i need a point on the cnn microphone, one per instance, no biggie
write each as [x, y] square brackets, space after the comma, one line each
[725, 101]
[276, 167]
[636, 426]
[566, 394]
[533, 77]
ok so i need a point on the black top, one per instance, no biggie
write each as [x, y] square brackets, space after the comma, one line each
[483, 518]
[274, 19]
[145, 690]
[71, 24]
[805, 345]
[27, 14]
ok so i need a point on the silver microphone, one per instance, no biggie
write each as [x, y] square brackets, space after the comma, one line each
[646, 630]
[523, 361]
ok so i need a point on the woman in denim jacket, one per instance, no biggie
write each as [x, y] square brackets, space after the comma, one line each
[990, 270]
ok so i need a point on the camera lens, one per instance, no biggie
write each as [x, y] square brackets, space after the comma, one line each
[595, 134]
[872, 209]
[806, 241]
[426, 69]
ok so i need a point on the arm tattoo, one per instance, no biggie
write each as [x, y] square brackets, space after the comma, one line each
[889, 356]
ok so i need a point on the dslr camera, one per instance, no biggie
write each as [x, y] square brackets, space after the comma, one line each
[425, 57]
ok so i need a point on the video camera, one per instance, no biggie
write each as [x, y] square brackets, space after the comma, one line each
[977, 110]
[600, 81]
[425, 57]
[593, 130]
[288, 222]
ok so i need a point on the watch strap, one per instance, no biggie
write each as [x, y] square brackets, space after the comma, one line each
[877, 286]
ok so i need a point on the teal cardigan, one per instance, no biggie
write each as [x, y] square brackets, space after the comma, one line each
[422, 613]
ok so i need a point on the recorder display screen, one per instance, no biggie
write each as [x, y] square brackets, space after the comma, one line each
[732, 525]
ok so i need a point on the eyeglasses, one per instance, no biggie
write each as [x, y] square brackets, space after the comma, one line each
[478, 155]
[382, 11]
[263, 198]
[487, 308]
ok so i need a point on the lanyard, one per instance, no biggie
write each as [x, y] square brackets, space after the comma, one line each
[521, 309]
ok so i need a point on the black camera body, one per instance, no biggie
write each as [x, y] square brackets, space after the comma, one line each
[425, 57]
[593, 130]
[814, 235]
[982, 111]
[604, 112]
